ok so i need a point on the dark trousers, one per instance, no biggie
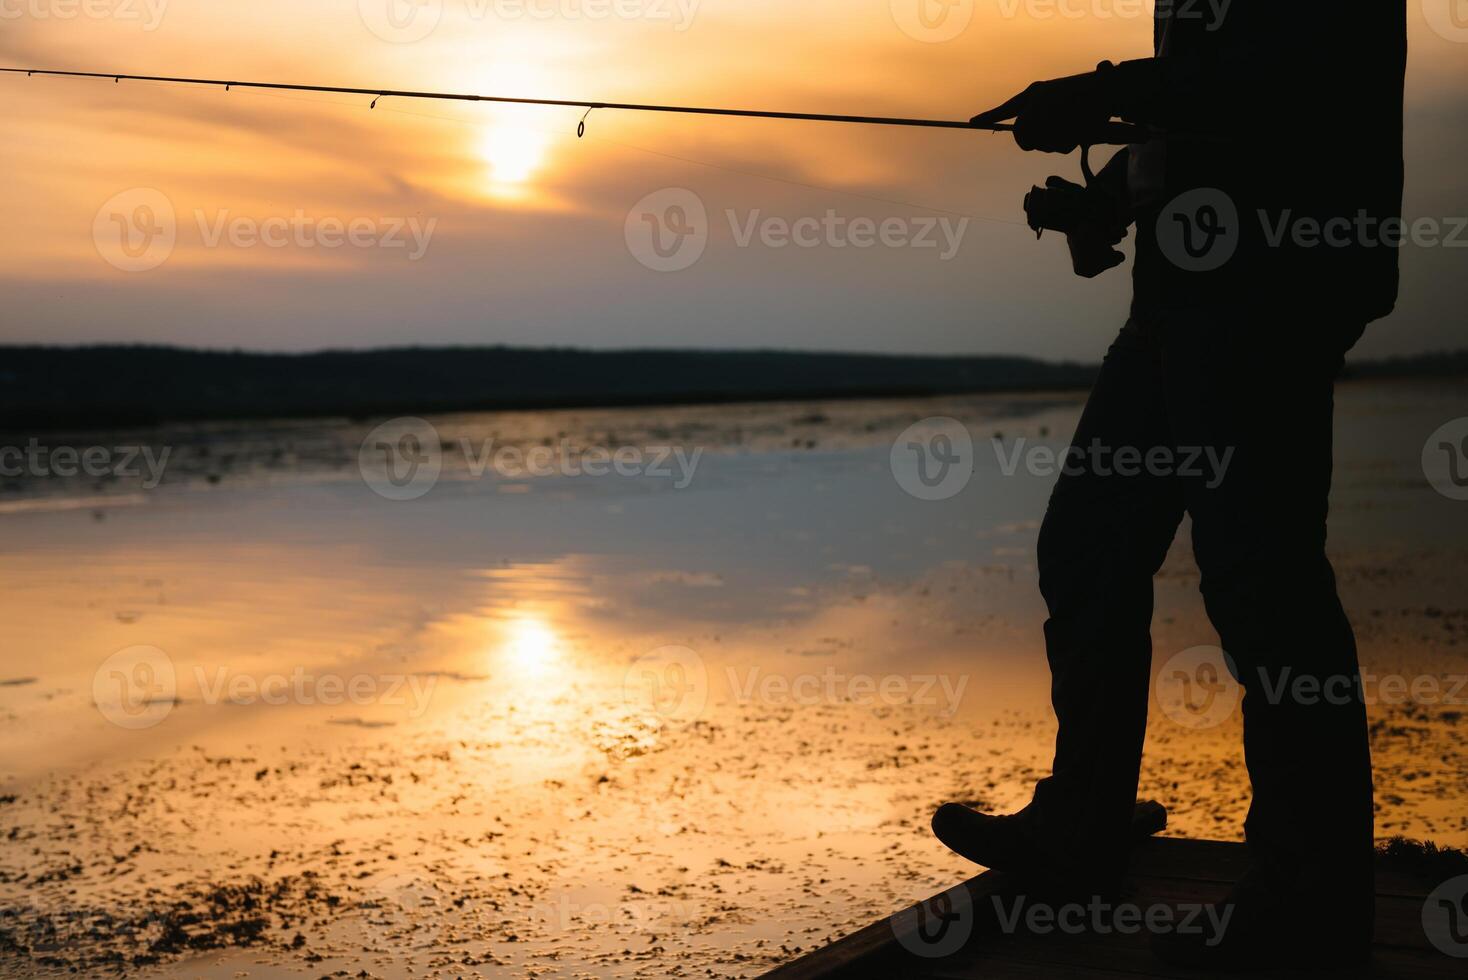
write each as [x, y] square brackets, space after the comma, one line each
[1255, 388]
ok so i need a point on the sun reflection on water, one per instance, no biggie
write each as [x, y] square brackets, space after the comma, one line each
[531, 646]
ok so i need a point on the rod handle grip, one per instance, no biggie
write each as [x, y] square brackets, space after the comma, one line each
[1120, 134]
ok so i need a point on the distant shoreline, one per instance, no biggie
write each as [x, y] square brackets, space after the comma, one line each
[110, 387]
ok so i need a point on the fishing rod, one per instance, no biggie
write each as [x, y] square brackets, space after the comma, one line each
[1115, 133]
[1046, 208]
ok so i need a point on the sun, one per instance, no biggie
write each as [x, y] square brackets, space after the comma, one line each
[516, 140]
[513, 155]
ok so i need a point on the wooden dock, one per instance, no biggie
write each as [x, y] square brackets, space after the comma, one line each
[958, 935]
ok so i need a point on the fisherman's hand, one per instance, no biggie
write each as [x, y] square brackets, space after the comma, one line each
[1092, 251]
[1059, 115]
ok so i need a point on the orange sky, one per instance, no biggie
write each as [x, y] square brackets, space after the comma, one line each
[528, 226]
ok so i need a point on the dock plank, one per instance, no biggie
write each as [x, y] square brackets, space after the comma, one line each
[1166, 871]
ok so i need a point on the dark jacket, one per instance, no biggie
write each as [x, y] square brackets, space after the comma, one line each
[1293, 109]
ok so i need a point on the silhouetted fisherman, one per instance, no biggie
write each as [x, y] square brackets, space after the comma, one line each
[1274, 116]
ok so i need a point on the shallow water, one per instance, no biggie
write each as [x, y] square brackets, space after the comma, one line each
[568, 725]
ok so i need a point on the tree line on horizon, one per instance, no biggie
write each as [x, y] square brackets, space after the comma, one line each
[116, 385]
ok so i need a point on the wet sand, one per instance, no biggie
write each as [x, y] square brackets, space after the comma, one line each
[610, 727]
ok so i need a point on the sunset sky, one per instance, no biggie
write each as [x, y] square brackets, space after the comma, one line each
[525, 230]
